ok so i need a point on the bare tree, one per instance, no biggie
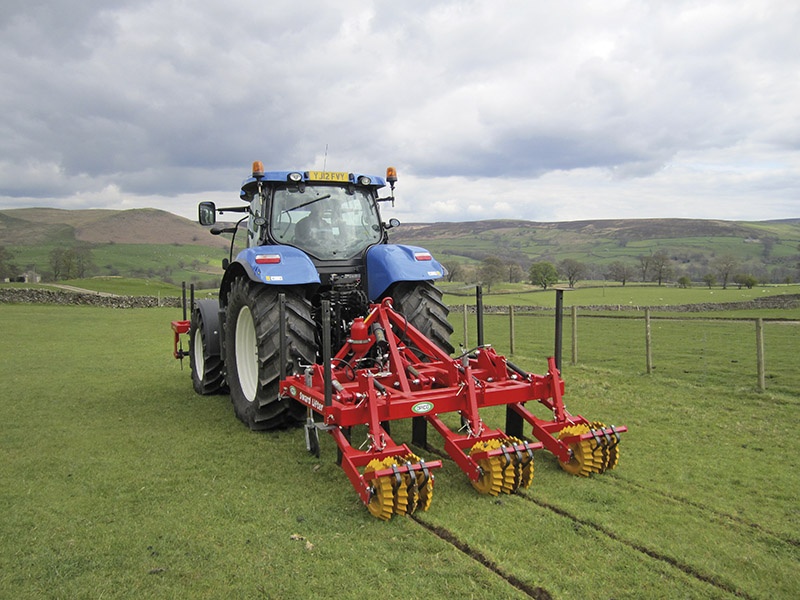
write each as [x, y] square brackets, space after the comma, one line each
[725, 265]
[572, 269]
[6, 268]
[644, 265]
[619, 271]
[455, 270]
[515, 273]
[57, 262]
[660, 266]
[492, 271]
[82, 262]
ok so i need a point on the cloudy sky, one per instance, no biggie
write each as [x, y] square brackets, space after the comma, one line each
[545, 111]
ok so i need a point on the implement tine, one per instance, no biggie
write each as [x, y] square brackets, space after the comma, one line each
[616, 443]
[397, 474]
[507, 456]
[519, 454]
[598, 440]
[411, 474]
[426, 475]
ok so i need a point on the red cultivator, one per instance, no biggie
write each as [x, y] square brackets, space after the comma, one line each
[388, 370]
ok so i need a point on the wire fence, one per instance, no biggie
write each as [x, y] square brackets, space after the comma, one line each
[747, 354]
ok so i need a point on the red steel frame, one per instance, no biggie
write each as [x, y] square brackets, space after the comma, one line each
[178, 327]
[419, 379]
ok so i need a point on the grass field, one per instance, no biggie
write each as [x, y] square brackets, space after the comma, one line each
[121, 286]
[179, 262]
[631, 295]
[119, 482]
[602, 242]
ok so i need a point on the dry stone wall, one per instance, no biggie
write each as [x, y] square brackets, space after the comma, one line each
[18, 295]
[784, 302]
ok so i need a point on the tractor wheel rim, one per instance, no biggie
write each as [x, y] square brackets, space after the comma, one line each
[247, 354]
[199, 355]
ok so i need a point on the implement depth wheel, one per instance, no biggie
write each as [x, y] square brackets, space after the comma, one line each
[610, 452]
[415, 491]
[497, 475]
[584, 460]
[381, 504]
[252, 345]
[206, 363]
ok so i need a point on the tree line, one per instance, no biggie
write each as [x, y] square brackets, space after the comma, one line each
[65, 263]
[657, 267]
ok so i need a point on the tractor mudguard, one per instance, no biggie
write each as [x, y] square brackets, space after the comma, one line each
[278, 265]
[209, 312]
[389, 263]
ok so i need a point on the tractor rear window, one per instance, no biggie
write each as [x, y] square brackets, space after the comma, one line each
[325, 221]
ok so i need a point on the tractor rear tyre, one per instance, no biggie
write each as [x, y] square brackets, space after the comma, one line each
[207, 372]
[421, 303]
[252, 348]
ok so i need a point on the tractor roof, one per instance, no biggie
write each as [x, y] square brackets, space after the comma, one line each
[313, 177]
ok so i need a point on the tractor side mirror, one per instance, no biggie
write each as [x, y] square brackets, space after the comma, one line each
[207, 213]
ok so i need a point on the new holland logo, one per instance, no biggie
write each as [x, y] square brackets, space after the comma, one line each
[422, 407]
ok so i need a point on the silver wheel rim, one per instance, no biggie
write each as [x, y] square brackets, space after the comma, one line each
[247, 354]
[199, 356]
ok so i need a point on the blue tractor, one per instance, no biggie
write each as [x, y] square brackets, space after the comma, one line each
[312, 236]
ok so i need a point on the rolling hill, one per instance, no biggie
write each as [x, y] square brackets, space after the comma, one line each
[34, 226]
[767, 249]
[155, 243]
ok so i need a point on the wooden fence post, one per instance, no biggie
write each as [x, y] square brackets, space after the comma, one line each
[511, 327]
[574, 335]
[762, 381]
[648, 341]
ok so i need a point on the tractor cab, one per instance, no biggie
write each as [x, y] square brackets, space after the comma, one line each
[332, 217]
[327, 222]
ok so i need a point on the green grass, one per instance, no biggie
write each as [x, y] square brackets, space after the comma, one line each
[179, 262]
[631, 295]
[600, 246]
[119, 482]
[126, 286]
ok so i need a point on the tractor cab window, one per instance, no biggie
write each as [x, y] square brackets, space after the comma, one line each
[325, 221]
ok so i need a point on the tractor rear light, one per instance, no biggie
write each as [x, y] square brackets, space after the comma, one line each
[296, 177]
[258, 168]
[364, 180]
[268, 259]
[423, 256]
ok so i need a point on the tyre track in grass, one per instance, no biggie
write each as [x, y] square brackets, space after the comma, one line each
[654, 554]
[449, 537]
[703, 507]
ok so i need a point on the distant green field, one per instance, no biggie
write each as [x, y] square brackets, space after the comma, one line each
[556, 246]
[176, 262]
[126, 286]
[120, 482]
[632, 295]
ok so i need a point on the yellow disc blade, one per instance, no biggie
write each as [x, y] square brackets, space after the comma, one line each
[381, 504]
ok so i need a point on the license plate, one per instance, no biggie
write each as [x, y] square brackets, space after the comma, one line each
[328, 176]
